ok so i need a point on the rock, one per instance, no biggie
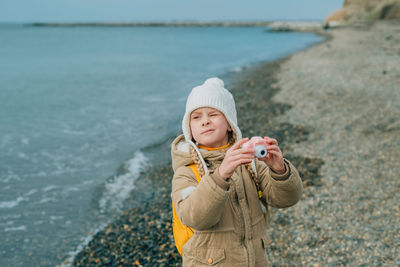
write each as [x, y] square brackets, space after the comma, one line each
[335, 20]
[365, 10]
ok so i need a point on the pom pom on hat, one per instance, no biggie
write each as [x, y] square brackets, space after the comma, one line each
[215, 82]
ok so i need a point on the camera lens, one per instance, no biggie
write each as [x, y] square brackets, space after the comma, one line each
[260, 151]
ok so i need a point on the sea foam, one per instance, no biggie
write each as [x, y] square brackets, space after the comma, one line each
[84, 242]
[117, 189]
[10, 204]
[18, 228]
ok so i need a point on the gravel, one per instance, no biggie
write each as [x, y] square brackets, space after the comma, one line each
[348, 91]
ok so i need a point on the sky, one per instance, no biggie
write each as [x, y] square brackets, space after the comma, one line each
[164, 10]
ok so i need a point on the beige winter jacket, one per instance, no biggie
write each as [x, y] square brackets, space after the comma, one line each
[227, 216]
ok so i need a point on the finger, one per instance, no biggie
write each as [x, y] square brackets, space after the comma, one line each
[272, 153]
[239, 143]
[242, 161]
[243, 151]
[241, 156]
[273, 148]
[271, 141]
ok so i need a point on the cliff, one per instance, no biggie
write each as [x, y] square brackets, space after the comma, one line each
[365, 10]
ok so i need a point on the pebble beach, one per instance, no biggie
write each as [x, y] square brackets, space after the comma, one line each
[334, 109]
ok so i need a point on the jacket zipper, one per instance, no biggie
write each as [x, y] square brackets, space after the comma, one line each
[242, 241]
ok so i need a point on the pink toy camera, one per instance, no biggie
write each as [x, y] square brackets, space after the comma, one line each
[259, 145]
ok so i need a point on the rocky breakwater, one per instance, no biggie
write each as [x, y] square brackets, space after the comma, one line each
[295, 26]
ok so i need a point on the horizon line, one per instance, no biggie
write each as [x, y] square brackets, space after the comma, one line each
[163, 23]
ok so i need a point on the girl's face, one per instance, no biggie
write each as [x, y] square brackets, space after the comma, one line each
[209, 127]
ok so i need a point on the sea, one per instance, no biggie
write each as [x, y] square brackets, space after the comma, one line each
[77, 103]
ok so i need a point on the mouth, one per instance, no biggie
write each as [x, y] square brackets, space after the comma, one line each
[208, 131]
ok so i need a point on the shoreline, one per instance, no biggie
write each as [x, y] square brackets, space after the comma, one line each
[145, 232]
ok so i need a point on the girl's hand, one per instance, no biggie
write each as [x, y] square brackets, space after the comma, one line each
[274, 158]
[234, 157]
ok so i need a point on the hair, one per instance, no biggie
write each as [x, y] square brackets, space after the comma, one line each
[197, 161]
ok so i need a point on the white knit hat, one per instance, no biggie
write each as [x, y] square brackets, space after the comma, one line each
[210, 94]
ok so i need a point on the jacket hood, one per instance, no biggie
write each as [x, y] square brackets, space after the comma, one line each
[180, 154]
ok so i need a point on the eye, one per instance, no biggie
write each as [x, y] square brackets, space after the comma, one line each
[214, 114]
[195, 117]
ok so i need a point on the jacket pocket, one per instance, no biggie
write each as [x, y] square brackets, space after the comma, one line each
[209, 256]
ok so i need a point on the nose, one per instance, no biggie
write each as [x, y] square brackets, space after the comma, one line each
[205, 121]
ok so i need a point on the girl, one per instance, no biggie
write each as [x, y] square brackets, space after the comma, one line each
[223, 207]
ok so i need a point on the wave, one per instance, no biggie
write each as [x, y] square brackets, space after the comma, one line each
[11, 204]
[18, 228]
[117, 189]
[85, 241]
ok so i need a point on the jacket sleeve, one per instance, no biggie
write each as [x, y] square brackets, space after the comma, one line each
[280, 190]
[198, 205]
